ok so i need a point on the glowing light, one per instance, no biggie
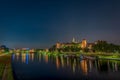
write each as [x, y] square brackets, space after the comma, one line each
[84, 66]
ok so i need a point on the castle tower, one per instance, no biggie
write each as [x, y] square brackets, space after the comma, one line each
[73, 40]
[84, 43]
[58, 45]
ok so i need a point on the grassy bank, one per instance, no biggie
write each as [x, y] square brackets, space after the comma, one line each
[5, 67]
[101, 55]
[2, 67]
[9, 73]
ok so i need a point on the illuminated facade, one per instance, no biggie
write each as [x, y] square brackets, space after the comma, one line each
[83, 44]
[58, 45]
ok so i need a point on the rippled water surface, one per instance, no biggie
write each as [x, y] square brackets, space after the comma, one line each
[36, 66]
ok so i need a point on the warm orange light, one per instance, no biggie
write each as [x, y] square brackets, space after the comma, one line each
[46, 58]
[57, 62]
[84, 43]
[23, 58]
[84, 66]
[32, 56]
[17, 55]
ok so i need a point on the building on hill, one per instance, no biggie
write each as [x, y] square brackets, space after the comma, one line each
[83, 44]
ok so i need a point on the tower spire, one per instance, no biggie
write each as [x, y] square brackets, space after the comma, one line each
[73, 40]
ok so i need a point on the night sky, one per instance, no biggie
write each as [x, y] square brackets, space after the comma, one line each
[42, 23]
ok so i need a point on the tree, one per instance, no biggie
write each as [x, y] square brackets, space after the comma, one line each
[105, 47]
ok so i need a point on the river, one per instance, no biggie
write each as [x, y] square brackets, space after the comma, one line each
[36, 66]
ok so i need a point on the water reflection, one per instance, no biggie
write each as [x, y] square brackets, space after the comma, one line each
[46, 58]
[32, 56]
[67, 61]
[39, 57]
[13, 57]
[62, 61]
[57, 62]
[116, 68]
[17, 55]
[27, 58]
[84, 68]
[76, 65]
[23, 58]
[90, 65]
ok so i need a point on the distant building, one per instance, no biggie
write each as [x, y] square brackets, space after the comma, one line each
[47, 50]
[58, 45]
[100, 41]
[73, 40]
[3, 48]
[90, 45]
[83, 44]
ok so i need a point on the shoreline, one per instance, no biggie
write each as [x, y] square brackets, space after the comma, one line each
[97, 55]
[3, 54]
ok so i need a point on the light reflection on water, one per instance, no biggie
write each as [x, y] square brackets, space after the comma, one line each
[77, 66]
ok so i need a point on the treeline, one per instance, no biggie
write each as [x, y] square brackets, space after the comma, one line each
[103, 46]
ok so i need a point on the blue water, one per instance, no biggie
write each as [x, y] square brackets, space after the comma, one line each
[41, 67]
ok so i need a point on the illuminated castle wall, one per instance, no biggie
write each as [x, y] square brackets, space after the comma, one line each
[82, 44]
[58, 45]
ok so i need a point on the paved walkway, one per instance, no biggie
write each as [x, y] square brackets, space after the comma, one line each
[5, 70]
[5, 73]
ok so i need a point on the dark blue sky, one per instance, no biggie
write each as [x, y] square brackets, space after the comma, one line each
[42, 23]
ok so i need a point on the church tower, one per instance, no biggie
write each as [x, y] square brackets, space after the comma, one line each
[73, 40]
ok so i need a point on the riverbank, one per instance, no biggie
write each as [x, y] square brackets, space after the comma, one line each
[97, 55]
[5, 67]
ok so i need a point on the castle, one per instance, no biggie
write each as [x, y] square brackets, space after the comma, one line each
[83, 44]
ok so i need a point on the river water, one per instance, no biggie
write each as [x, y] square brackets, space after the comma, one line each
[36, 66]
